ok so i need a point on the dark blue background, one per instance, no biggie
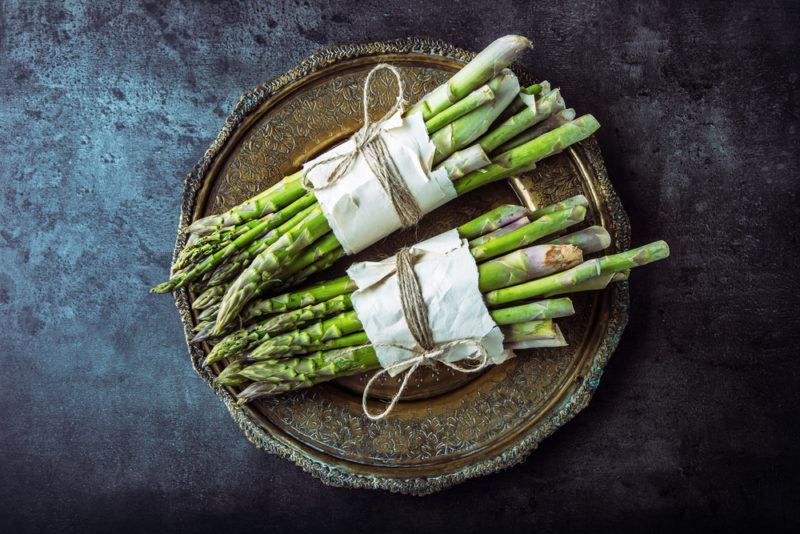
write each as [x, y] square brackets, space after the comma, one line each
[103, 423]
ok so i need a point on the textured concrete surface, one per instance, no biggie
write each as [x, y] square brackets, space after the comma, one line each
[104, 425]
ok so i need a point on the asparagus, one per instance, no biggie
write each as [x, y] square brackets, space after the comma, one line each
[266, 264]
[470, 102]
[530, 330]
[209, 297]
[529, 233]
[593, 284]
[525, 264]
[523, 156]
[491, 60]
[550, 123]
[502, 272]
[484, 223]
[464, 162]
[268, 201]
[245, 339]
[503, 230]
[536, 342]
[589, 240]
[498, 55]
[533, 311]
[522, 100]
[537, 111]
[274, 224]
[571, 202]
[299, 298]
[466, 129]
[555, 283]
[492, 220]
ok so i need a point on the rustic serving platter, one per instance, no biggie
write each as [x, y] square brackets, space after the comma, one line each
[449, 427]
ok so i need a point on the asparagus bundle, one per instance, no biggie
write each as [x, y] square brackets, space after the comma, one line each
[280, 236]
[336, 346]
[514, 264]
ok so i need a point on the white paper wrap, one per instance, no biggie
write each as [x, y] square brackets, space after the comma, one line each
[357, 208]
[448, 279]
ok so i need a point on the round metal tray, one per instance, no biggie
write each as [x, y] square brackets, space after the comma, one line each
[449, 427]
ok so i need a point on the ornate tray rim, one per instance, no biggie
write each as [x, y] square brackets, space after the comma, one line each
[339, 475]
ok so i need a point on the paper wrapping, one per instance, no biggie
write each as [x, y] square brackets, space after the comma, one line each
[448, 279]
[357, 208]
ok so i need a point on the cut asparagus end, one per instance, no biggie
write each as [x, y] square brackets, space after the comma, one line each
[472, 101]
[589, 240]
[464, 162]
[495, 57]
[492, 220]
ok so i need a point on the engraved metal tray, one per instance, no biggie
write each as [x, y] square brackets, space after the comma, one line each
[449, 427]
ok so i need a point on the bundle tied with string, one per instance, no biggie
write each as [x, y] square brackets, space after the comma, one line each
[381, 179]
[424, 306]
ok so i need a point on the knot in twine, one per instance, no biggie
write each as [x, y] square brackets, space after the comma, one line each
[427, 352]
[369, 143]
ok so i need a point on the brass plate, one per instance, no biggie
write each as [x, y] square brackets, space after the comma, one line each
[450, 427]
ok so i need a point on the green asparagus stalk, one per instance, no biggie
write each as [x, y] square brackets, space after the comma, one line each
[589, 240]
[209, 297]
[266, 265]
[466, 129]
[533, 311]
[522, 157]
[550, 123]
[492, 220]
[246, 339]
[503, 230]
[470, 102]
[300, 298]
[273, 224]
[522, 100]
[544, 329]
[273, 199]
[593, 284]
[529, 233]
[550, 285]
[553, 338]
[536, 112]
[498, 55]
[571, 202]
[525, 264]
[463, 162]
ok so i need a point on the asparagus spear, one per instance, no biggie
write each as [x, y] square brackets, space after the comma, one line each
[466, 129]
[529, 233]
[571, 202]
[550, 123]
[245, 339]
[535, 261]
[498, 55]
[492, 220]
[470, 102]
[589, 269]
[268, 201]
[274, 224]
[484, 223]
[522, 157]
[209, 297]
[266, 264]
[589, 240]
[503, 230]
[525, 264]
[522, 100]
[536, 112]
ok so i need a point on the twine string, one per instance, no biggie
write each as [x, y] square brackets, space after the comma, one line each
[369, 143]
[427, 351]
